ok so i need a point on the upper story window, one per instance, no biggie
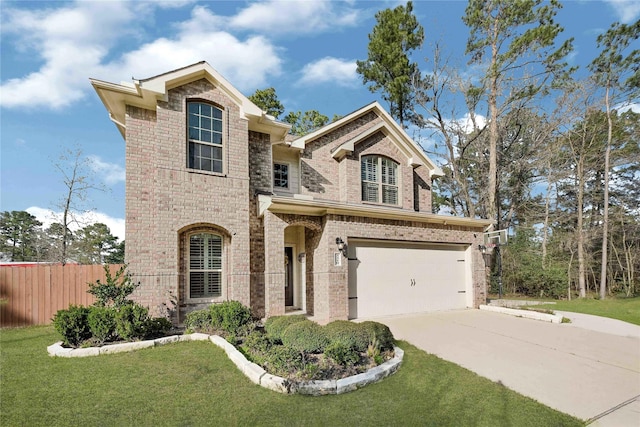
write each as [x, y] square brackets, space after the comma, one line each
[205, 265]
[205, 137]
[280, 176]
[379, 180]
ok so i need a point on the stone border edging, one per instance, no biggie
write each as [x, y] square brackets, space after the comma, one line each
[529, 314]
[255, 373]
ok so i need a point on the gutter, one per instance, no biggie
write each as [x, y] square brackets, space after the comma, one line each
[307, 206]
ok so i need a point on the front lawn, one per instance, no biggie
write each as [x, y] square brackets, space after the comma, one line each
[194, 383]
[626, 309]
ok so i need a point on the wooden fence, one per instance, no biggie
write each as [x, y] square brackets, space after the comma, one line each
[31, 295]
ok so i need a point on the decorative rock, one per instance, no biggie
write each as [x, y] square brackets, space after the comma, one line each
[252, 371]
[354, 382]
[84, 352]
[127, 346]
[167, 340]
[57, 349]
[275, 383]
[219, 341]
[199, 337]
[316, 388]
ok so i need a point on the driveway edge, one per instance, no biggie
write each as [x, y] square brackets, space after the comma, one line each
[527, 314]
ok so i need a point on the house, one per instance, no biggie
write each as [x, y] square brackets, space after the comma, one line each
[223, 204]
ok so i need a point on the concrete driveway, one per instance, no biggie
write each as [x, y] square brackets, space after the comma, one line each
[590, 374]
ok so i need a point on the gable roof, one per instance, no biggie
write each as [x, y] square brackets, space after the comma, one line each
[389, 126]
[146, 93]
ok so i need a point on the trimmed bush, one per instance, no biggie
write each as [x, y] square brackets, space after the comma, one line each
[351, 335]
[131, 322]
[283, 361]
[157, 327]
[198, 320]
[275, 326]
[72, 325]
[229, 316]
[307, 337]
[342, 354]
[102, 323]
[380, 332]
[256, 346]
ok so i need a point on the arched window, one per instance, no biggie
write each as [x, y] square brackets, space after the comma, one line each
[379, 180]
[205, 137]
[205, 265]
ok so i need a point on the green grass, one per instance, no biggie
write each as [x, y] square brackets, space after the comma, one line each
[194, 383]
[626, 309]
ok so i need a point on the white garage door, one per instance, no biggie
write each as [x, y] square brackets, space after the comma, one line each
[398, 278]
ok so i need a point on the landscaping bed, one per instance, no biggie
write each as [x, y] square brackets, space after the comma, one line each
[295, 348]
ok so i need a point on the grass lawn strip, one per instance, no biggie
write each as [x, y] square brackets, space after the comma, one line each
[195, 383]
[625, 309]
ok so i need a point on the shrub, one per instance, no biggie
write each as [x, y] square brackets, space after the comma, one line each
[379, 332]
[229, 316]
[283, 361]
[307, 337]
[131, 321]
[198, 320]
[157, 327]
[342, 353]
[256, 347]
[350, 334]
[275, 326]
[115, 290]
[257, 342]
[72, 325]
[102, 323]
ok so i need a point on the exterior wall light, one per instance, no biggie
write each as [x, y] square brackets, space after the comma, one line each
[342, 246]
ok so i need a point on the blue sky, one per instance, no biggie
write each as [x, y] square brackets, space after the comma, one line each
[305, 49]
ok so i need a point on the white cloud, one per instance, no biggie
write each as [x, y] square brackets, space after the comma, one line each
[627, 10]
[466, 122]
[48, 217]
[297, 17]
[635, 107]
[70, 41]
[330, 70]
[110, 173]
[73, 42]
[245, 63]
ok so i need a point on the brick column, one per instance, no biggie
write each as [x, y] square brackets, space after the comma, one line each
[274, 264]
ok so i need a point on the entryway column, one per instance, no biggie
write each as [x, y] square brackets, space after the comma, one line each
[274, 274]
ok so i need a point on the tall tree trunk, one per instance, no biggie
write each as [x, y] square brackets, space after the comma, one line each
[605, 207]
[579, 229]
[545, 228]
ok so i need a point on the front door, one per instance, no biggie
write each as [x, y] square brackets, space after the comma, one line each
[288, 276]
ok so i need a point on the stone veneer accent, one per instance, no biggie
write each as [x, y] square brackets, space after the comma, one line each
[255, 373]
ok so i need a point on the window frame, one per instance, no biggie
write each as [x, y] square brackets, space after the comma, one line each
[188, 269]
[273, 183]
[379, 182]
[201, 143]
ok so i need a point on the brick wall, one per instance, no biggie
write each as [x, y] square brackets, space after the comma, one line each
[326, 178]
[260, 180]
[165, 200]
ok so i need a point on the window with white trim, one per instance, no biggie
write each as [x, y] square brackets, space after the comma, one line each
[280, 175]
[205, 265]
[205, 137]
[379, 180]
